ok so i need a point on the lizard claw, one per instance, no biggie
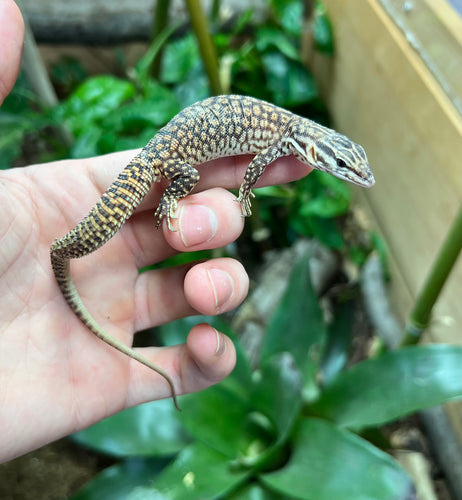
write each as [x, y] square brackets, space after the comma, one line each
[244, 200]
[166, 208]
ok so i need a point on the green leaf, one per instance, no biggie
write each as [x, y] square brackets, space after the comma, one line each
[297, 324]
[197, 473]
[322, 30]
[392, 385]
[93, 101]
[328, 463]
[137, 116]
[289, 14]
[255, 492]
[86, 145]
[217, 418]
[332, 197]
[111, 141]
[193, 88]
[151, 429]
[122, 481]
[268, 38]
[165, 100]
[21, 99]
[288, 81]
[12, 131]
[339, 337]
[277, 398]
[325, 230]
[277, 393]
[179, 58]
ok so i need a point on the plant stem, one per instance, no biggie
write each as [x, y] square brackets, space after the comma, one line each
[206, 47]
[159, 22]
[421, 314]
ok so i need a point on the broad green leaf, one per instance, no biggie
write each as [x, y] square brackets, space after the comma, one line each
[121, 481]
[332, 197]
[193, 88]
[10, 143]
[167, 104]
[217, 417]
[283, 192]
[277, 393]
[288, 81]
[197, 473]
[289, 14]
[179, 58]
[112, 141]
[255, 492]
[268, 38]
[86, 145]
[392, 385]
[325, 230]
[151, 429]
[93, 101]
[339, 337]
[21, 99]
[329, 463]
[136, 116]
[297, 324]
[322, 30]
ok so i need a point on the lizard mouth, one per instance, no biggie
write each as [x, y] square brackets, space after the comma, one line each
[363, 180]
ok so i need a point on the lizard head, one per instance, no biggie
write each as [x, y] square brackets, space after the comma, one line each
[336, 154]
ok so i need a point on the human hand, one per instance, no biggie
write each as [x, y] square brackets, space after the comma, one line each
[55, 376]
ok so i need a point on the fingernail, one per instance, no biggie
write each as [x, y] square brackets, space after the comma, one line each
[197, 224]
[221, 344]
[222, 286]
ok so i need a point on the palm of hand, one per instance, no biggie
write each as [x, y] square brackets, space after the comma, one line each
[41, 340]
[46, 353]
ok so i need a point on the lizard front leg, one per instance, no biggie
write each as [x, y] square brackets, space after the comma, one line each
[183, 178]
[253, 173]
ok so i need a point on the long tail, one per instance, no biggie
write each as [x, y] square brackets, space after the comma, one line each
[104, 220]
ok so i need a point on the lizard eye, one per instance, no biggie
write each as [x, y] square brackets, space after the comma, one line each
[341, 163]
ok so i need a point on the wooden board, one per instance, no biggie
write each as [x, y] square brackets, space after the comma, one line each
[381, 93]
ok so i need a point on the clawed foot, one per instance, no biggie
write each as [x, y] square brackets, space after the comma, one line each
[244, 200]
[167, 208]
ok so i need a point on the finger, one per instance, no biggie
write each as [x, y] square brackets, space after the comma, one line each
[207, 358]
[11, 40]
[211, 219]
[216, 286]
[210, 287]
